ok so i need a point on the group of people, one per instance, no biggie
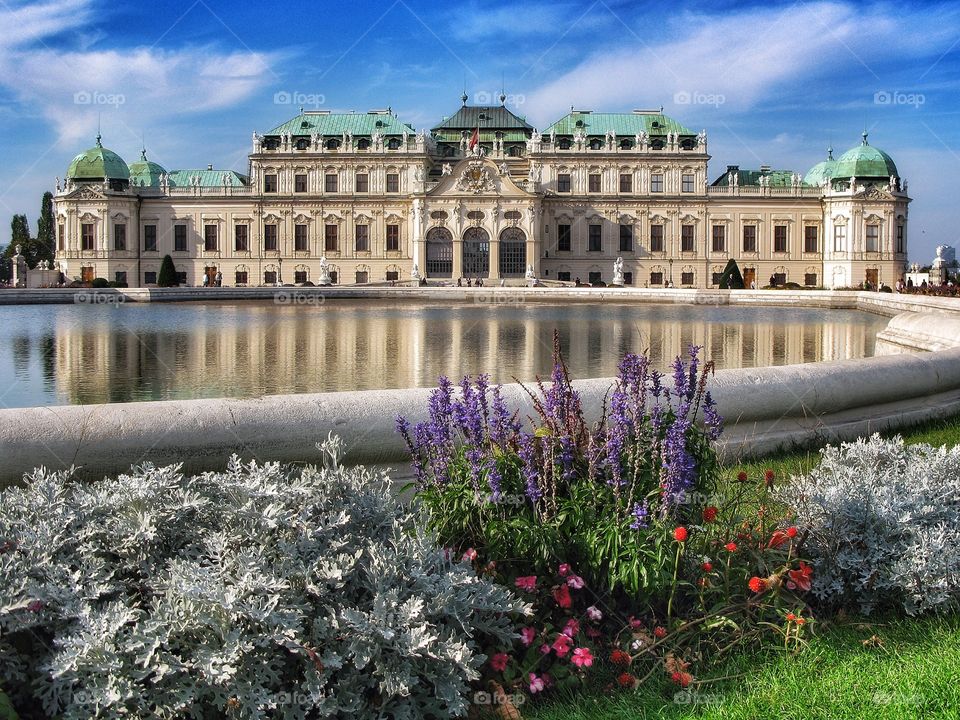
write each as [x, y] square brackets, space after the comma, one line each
[468, 282]
[217, 280]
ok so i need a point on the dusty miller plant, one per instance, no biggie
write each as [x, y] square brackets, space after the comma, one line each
[263, 591]
[884, 525]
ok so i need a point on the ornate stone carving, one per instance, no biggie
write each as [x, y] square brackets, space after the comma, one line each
[476, 178]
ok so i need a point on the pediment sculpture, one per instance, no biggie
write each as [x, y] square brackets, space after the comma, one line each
[476, 178]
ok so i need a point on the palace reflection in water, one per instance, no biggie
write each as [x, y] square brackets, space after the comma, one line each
[79, 354]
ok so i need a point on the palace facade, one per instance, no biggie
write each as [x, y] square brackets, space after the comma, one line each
[483, 194]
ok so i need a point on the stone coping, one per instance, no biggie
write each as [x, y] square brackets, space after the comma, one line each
[766, 409]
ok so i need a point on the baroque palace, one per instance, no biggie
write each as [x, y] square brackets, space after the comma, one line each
[483, 194]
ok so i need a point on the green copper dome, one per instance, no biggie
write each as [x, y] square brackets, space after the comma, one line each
[823, 170]
[865, 161]
[98, 163]
[145, 173]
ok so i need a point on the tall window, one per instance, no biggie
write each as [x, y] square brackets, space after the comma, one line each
[299, 276]
[241, 238]
[810, 240]
[363, 182]
[594, 182]
[595, 241]
[563, 182]
[656, 238]
[61, 237]
[119, 237]
[749, 238]
[780, 238]
[563, 238]
[626, 183]
[899, 238]
[656, 183]
[393, 238]
[301, 242]
[270, 238]
[839, 238]
[210, 238]
[270, 183]
[240, 277]
[150, 238]
[393, 183]
[300, 183]
[330, 237]
[626, 238]
[330, 183]
[362, 233]
[873, 238]
[686, 183]
[179, 238]
[719, 238]
[686, 238]
[86, 236]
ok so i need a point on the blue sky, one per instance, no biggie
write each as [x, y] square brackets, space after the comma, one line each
[772, 83]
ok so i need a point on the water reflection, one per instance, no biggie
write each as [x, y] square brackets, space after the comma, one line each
[81, 354]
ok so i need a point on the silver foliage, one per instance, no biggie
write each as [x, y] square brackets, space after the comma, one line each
[263, 591]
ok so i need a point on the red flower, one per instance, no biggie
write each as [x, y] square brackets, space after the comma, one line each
[707, 567]
[680, 534]
[527, 636]
[499, 662]
[564, 569]
[528, 583]
[757, 585]
[681, 678]
[791, 617]
[801, 576]
[709, 514]
[582, 657]
[659, 631]
[561, 594]
[791, 532]
[470, 555]
[619, 657]
[768, 477]
[626, 680]
[731, 547]
[571, 628]
[800, 621]
[742, 476]
[778, 539]
[561, 645]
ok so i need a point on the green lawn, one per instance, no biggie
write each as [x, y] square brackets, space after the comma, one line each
[913, 671]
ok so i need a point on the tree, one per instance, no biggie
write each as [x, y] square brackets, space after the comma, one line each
[731, 279]
[46, 232]
[168, 273]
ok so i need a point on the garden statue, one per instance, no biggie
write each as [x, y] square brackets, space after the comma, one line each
[324, 278]
[531, 276]
[618, 272]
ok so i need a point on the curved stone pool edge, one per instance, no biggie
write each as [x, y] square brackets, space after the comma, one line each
[766, 409]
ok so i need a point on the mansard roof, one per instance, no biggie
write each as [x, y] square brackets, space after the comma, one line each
[324, 122]
[778, 178]
[208, 178]
[651, 122]
[486, 117]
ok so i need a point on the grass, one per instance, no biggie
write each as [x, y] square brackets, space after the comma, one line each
[911, 671]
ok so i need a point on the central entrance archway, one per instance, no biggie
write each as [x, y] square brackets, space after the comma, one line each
[439, 253]
[476, 253]
[513, 253]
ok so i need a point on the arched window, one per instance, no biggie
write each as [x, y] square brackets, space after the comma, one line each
[687, 144]
[595, 144]
[439, 253]
[564, 144]
[513, 252]
[393, 144]
[303, 144]
[363, 144]
[515, 151]
[449, 151]
[626, 144]
[476, 253]
[333, 144]
[656, 144]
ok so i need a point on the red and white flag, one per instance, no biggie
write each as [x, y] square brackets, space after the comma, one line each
[475, 138]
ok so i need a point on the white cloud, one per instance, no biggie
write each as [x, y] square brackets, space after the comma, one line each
[481, 21]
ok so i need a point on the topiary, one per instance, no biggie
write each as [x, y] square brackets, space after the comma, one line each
[99, 283]
[263, 591]
[731, 279]
[168, 273]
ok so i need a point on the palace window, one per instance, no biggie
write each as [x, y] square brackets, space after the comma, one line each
[301, 242]
[595, 239]
[626, 238]
[594, 277]
[749, 238]
[686, 238]
[330, 237]
[300, 183]
[270, 238]
[393, 183]
[393, 238]
[810, 240]
[656, 144]
[839, 238]
[595, 144]
[270, 277]
[873, 238]
[656, 278]
[209, 238]
[179, 238]
[299, 276]
[563, 276]
[719, 238]
[715, 278]
[594, 182]
[240, 277]
[900, 238]
[564, 144]
[119, 237]
[60, 237]
[656, 238]
[810, 279]
[393, 144]
[181, 278]
[563, 182]
[656, 182]
[626, 144]
[686, 278]
[150, 238]
[779, 279]
[270, 183]
[303, 144]
[333, 144]
[563, 238]
[362, 277]
[330, 183]
[334, 277]
[363, 182]
[628, 278]
[515, 151]
[780, 238]
[120, 278]
[150, 278]
[241, 240]
[362, 237]
[363, 144]
[393, 275]
[626, 183]
[86, 236]
[686, 183]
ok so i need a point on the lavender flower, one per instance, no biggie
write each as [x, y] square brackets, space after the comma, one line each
[641, 516]
[528, 456]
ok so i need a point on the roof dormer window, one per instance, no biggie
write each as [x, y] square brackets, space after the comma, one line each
[364, 143]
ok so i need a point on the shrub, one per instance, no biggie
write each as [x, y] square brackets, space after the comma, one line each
[731, 279]
[99, 283]
[261, 591]
[883, 524]
[168, 273]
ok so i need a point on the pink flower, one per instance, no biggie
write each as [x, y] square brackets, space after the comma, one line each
[499, 662]
[470, 555]
[582, 657]
[564, 569]
[527, 636]
[593, 613]
[571, 628]
[634, 623]
[536, 684]
[528, 582]
[544, 649]
[576, 582]
[561, 646]
[562, 596]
